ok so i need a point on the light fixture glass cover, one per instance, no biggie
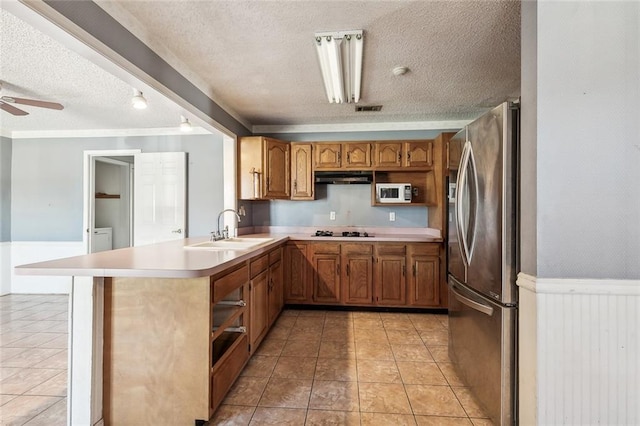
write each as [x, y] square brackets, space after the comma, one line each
[185, 125]
[138, 101]
[340, 57]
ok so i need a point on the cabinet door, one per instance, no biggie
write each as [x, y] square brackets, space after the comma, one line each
[296, 273]
[358, 279]
[275, 290]
[259, 319]
[391, 280]
[388, 154]
[277, 169]
[424, 281]
[327, 155]
[419, 153]
[326, 278]
[302, 184]
[356, 155]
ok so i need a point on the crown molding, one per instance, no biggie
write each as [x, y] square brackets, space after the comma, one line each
[105, 133]
[361, 127]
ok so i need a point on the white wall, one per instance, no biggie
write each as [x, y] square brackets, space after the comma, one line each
[579, 305]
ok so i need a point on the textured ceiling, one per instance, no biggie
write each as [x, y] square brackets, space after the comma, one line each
[257, 60]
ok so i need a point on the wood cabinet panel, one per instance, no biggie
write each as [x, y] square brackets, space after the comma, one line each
[388, 154]
[263, 168]
[419, 154]
[276, 301]
[328, 155]
[358, 279]
[356, 155]
[296, 271]
[228, 370]
[424, 282]
[326, 278]
[276, 184]
[259, 317]
[302, 183]
[391, 285]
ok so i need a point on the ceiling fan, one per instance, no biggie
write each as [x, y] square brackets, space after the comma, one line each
[7, 101]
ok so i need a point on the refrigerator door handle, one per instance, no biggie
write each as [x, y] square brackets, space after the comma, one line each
[473, 205]
[460, 187]
[480, 307]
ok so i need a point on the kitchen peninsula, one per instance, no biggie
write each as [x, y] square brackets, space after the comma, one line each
[159, 333]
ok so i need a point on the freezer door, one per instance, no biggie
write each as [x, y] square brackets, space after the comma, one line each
[482, 349]
[490, 184]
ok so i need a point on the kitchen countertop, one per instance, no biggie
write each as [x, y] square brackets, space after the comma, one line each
[171, 260]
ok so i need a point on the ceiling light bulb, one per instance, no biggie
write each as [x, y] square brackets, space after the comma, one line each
[185, 125]
[138, 101]
[397, 71]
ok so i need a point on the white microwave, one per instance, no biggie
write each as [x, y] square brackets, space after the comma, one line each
[393, 192]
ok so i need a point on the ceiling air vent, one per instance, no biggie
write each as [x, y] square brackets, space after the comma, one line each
[364, 108]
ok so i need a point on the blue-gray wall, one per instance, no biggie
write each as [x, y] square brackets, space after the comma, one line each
[5, 189]
[47, 179]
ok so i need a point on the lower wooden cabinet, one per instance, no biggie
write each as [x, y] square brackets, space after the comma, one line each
[424, 276]
[296, 273]
[259, 317]
[357, 275]
[325, 260]
[390, 276]
[276, 281]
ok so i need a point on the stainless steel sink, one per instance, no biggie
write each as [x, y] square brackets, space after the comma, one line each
[230, 244]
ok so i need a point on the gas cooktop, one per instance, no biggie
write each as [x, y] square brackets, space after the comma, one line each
[341, 234]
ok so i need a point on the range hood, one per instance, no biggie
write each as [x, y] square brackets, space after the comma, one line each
[345, 177]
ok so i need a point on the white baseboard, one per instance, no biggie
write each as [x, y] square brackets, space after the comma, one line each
[579, 350]
[24, 252]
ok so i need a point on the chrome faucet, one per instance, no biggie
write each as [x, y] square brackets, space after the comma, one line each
[225, 233]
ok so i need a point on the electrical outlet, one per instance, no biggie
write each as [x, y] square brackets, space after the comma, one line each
[392, 216]
[332, 215]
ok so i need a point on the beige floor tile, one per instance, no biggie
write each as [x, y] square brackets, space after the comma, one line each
[427, 323]
[370, 335]
[30, 357]
[372, 350]
[338, 315]
[403, 352]
[343, 370]
[434, 401]
[301, 348]
[8, 337]
[312, 313]
[295, 368]
[360, 322]
[332, 418]
[232, 415]
[59, 360]
[61, 341]
[421, 373]
[278, 416]
[378, 371]
[442, 421]
[338, 333]
[397, 323]
[450, 374]
[6, 372]
[440, 353]
[55, 386]
[286, 393]
[24, 408]
[482, 422]
[384, 398]
[40, 315]
[337, 349]
[366, 315]
[290, 313]
[435, 338]
[271, 347]
[406, 336]
[26, 379]
[309, 322]
[305, 333]
[382, 419]
[332, 395]
[469, 402]
[279, 332]
[56, 415]
[260, 366]
[246, 391]
[33, 340]
[8, 353]
[4, 398]
[58, 327]
[285, 321]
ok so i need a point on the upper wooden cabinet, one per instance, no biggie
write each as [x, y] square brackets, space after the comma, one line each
[342, 155]
[263, 168]
[416, 154]
[302, 185]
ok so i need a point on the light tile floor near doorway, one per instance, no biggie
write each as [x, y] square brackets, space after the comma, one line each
[33, 359]
[313, 368]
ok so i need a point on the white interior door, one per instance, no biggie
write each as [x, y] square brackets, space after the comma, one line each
[160, 197]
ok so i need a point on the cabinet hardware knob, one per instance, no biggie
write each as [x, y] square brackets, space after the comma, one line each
[347, 269]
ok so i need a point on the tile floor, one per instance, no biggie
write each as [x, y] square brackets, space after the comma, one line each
[33, 359]
[351, 368]
[313, 368]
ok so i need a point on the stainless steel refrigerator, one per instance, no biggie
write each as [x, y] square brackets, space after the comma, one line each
[482, 261]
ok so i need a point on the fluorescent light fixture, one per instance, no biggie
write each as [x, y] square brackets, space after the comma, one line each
[185, 125]
[340, 57]
[138, 101]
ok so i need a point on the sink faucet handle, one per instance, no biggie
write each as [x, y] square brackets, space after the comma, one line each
[225, 233]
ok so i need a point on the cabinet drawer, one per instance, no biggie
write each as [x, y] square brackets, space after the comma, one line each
[275, 255]
[326, 248]
[350, 248]
[429, 249]
[395, 249]
[225, 284]
[228, 370]
[259, 264]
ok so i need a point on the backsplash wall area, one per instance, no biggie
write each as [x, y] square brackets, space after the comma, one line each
[352, 204]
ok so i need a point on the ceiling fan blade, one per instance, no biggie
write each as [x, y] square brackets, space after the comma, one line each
[32, 102]
[11, 109]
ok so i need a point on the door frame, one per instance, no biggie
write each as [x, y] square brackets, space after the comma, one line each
[88, 188]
